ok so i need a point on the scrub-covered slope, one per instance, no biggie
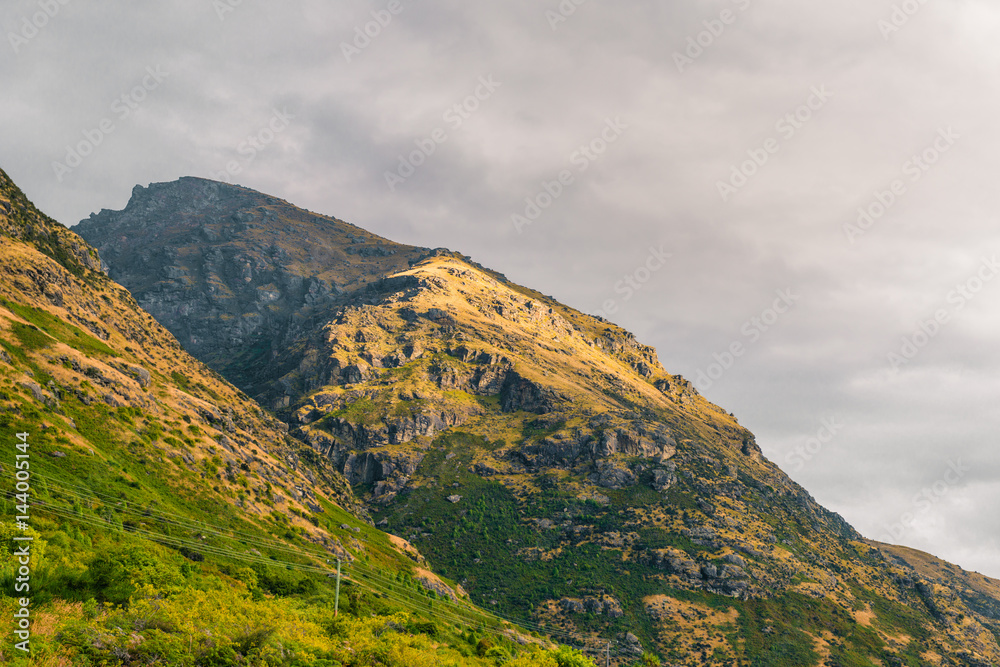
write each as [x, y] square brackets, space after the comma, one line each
[545, 460]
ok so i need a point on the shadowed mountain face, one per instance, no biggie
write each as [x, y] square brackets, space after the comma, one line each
[242, 279]
[540, 456]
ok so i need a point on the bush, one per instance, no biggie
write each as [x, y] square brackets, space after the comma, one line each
[117, 573]
[567, 657]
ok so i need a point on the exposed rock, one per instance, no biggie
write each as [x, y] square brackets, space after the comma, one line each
[439, 316]
[572, 606]
[603, 605]
[355, 373]
[554, 451]
[432, 583]
[734, 559]
[658, 444]
[612, 475]
[226, 443]
[35, 389]
[631, 644]
[702, 535]
[220, 296]
[663, 480]
[485, 469]
[519, 393]
[141, 375]
[676, 562]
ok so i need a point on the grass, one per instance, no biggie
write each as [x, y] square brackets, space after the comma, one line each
[57, 329]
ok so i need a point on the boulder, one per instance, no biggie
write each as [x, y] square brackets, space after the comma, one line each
[36, 391]
[631, 644]
[612, 475]
[663, 480]
[735, 559]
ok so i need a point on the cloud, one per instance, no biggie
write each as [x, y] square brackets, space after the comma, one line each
[352, 118]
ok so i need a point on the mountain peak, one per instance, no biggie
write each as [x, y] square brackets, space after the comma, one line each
[236, 274]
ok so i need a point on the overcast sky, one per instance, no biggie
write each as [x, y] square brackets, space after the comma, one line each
[740, 137]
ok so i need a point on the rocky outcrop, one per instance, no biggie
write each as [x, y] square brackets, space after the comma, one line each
[597, 605]
[387, 469]
[639, 440]
[728, 579]
[664, 479]
[519, 393]
[347, 434]
[652, 442]
[557, 450]
[630, 644]
[613, 475]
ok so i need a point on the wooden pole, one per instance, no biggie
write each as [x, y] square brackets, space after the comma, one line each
[336, 597]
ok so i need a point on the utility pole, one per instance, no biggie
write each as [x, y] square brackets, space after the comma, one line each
[336, 597]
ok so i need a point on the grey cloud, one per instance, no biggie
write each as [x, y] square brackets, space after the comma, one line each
[658, 185]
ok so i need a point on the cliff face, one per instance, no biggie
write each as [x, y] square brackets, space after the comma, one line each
[540, 456]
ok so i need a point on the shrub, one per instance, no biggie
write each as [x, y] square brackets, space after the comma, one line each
[117, 573]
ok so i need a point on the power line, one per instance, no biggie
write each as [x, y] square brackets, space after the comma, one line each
[107, 498]
[202, 527]
[283, 547]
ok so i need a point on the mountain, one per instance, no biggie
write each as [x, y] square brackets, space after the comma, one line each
[241, 288]
[173, 520]
[541, 457]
